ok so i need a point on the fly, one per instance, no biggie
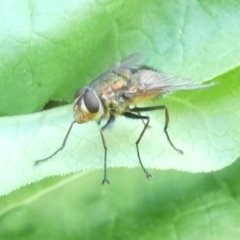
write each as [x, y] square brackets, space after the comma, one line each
[117, 92]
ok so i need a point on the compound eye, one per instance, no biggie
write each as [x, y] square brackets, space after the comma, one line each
[79, 92]
[91, 101]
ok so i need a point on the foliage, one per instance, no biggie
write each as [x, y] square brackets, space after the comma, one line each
[50, 49]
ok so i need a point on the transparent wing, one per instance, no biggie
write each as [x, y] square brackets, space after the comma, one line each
[147, 81]
[132, 60]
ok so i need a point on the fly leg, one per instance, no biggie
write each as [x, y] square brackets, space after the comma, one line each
[107, 125]
[162, 107]
[144, 123]
[59, 149]
[134, 116]
[139, 113]
[146, 109]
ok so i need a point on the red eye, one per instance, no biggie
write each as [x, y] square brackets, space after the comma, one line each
[91, 101]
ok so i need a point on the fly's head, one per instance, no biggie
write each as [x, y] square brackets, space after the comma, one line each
[87, 106]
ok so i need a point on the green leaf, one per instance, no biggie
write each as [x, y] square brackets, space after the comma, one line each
[50, 50]
[173, 205]
[204, 124]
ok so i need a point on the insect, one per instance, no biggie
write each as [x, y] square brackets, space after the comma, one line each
[117, 92]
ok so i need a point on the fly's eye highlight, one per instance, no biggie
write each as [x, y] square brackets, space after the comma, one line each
[91, 101]
[79, 92]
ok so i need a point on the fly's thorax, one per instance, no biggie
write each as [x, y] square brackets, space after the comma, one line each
[116, 105]
[87, 106]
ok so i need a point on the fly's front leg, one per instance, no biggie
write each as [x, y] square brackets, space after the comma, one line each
[133, 116]
[59, 149]
[162, 107]
[107, 125]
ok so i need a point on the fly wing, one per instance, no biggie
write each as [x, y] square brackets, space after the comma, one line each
[147, 81]
[132, 60]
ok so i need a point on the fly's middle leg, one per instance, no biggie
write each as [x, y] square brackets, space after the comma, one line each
[147, 119]
[107, 125]
[139, 113]
[134, 116]
[162, 107]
